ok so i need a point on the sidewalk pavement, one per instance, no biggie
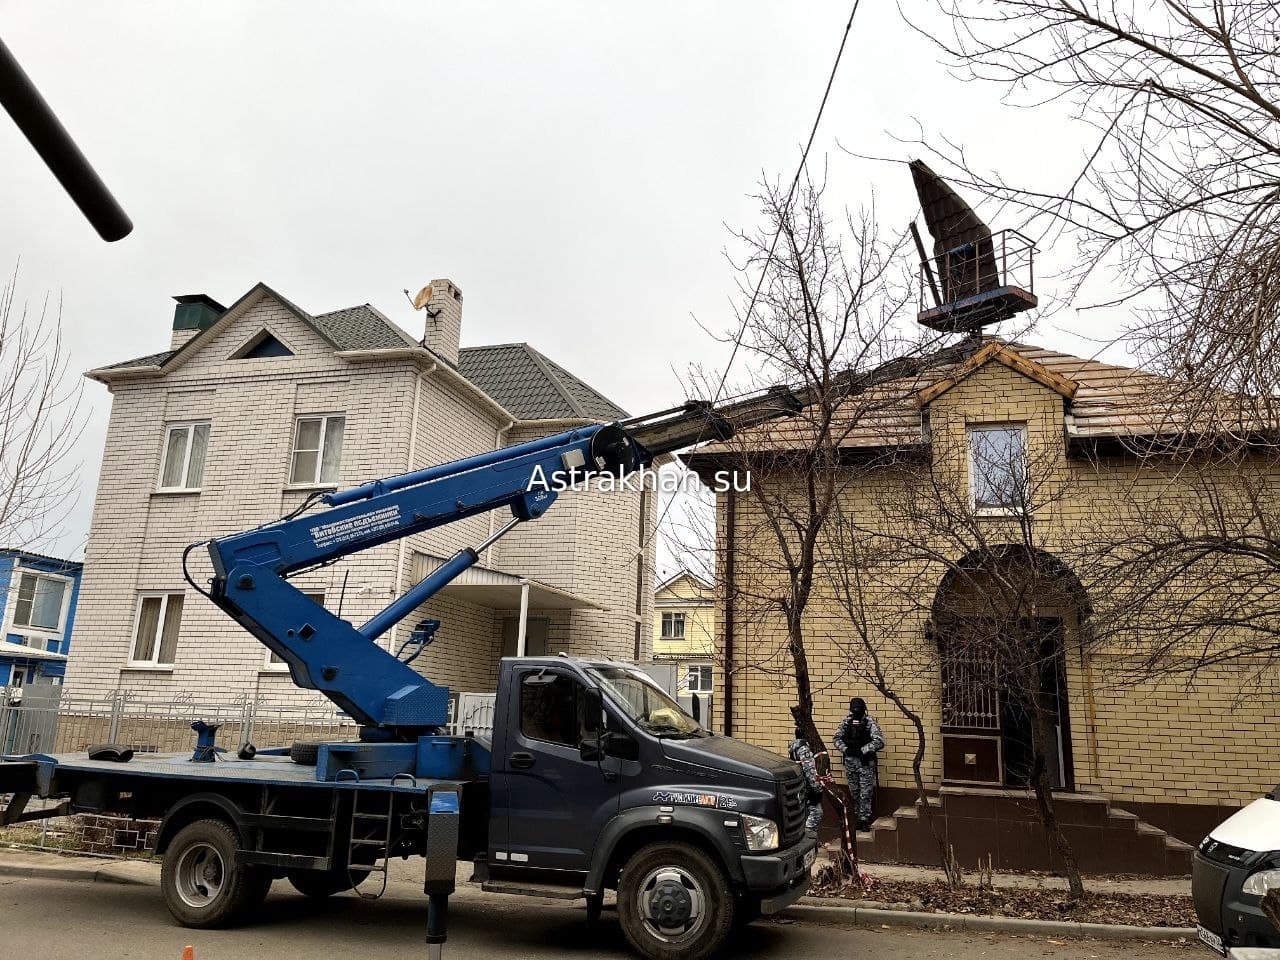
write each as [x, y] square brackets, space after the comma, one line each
[1157, 886]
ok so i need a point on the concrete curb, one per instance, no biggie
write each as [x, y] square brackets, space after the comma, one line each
[857, 913]
[122, 872]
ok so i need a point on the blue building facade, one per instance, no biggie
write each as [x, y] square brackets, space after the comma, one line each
[38, 597]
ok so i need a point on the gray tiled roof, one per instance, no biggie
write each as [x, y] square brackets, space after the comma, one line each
[532, 386]
[150, 360]
[528, 384]
[361, 328]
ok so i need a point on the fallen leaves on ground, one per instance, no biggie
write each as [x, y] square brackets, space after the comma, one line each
[1140, 910]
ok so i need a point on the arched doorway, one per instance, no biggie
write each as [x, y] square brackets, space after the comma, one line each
[1000, 619]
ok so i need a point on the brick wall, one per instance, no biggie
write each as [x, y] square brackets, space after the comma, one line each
[1168, 741]
[397, 418]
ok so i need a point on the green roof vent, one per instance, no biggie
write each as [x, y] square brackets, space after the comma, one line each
[196, 311]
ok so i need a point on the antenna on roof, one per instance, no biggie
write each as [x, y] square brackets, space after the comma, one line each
[423, 301]
[976, 278]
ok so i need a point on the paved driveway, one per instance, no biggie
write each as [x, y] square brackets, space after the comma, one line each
[61, 920]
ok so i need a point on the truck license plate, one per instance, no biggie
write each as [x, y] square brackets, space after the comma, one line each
[1211, 940]
[812, 855]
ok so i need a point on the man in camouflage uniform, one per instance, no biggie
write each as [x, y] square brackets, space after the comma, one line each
[859, 738]
[800, 751]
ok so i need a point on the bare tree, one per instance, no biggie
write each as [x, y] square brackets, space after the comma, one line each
[970, 557]
[1177, 201]
[856, 562]
[827, 322]
[1182, 564]
[40, 422]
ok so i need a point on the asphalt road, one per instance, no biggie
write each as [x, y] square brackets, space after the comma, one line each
[62, 920]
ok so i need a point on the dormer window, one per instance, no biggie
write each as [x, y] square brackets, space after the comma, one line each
[998, 467]
[265, 344]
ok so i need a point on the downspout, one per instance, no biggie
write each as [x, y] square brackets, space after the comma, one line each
[498, 436]
[410, 465]
[730, 587]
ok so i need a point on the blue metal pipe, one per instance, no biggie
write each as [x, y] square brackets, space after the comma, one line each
[420, 593]
[376, 487]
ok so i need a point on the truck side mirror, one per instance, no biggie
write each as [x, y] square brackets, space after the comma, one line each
[621, 746]
[592, 711]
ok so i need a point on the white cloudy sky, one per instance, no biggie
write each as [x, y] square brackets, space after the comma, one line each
[571, 165]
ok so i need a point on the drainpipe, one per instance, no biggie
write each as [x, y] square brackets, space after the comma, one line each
[498, 436]
[408, 466]
[730, 587]
[524, 617]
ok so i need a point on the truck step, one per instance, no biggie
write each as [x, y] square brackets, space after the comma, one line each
[286, 861]
[275, 821]
[528, 888]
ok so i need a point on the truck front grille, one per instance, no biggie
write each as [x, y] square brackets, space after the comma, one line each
[792, 797]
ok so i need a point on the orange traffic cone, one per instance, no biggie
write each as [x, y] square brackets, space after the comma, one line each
[188, 953]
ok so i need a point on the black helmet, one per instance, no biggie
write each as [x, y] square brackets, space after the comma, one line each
[858, 708]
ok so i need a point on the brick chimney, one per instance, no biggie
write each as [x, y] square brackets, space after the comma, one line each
[443, 307]
[195, 312]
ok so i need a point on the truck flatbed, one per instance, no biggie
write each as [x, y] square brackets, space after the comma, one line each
[36, 773]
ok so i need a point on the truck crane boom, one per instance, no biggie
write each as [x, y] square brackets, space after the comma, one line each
[327, 653]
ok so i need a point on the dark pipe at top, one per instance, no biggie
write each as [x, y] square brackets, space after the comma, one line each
[50, 138]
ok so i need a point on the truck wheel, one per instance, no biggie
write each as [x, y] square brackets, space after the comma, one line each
[203, 884]
[674, 903]
[319, 884]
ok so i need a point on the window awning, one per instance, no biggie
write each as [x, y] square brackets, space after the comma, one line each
[500, 590]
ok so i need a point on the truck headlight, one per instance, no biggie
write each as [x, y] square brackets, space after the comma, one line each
[762, 834]
[1259, 883]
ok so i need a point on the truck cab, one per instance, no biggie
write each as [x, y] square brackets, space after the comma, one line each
[600, 781]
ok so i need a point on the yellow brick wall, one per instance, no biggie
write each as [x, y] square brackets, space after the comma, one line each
[1175, 740]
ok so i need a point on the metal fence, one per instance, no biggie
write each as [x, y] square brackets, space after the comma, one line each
[38, 723]
[39, 718]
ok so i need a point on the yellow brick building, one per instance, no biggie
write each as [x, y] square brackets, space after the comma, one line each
[684, 634]
[1140, 766]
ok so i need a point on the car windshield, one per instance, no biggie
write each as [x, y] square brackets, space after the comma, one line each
[646, 703]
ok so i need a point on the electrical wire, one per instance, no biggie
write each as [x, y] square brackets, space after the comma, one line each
[773, 246]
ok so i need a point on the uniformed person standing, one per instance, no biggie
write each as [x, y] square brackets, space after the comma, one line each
[800, 751]
[859, 738]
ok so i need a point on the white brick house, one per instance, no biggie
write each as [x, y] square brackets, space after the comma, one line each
[256, 406]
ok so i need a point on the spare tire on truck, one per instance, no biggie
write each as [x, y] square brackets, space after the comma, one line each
[305, 752]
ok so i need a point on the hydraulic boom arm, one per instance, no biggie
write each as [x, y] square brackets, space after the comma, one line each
[329, 654]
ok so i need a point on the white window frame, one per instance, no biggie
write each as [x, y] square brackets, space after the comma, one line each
[689, 674]
[271, 663]
[153, 663]
[684, 625]
[1012, 510]
[31, 630]
[315, 480]
[190, 428]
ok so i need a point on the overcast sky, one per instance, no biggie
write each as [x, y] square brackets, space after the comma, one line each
[572, 166]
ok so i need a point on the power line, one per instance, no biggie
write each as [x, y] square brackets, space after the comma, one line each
[773, 244]
[786, 207]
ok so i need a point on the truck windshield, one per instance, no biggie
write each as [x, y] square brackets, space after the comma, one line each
[646, 703]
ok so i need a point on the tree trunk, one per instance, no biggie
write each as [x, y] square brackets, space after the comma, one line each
[950, 867]
[1044, 796]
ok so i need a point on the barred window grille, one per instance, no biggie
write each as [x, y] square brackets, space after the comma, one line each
[971, 695]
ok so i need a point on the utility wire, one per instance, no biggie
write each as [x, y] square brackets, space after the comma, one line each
[773, 246]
